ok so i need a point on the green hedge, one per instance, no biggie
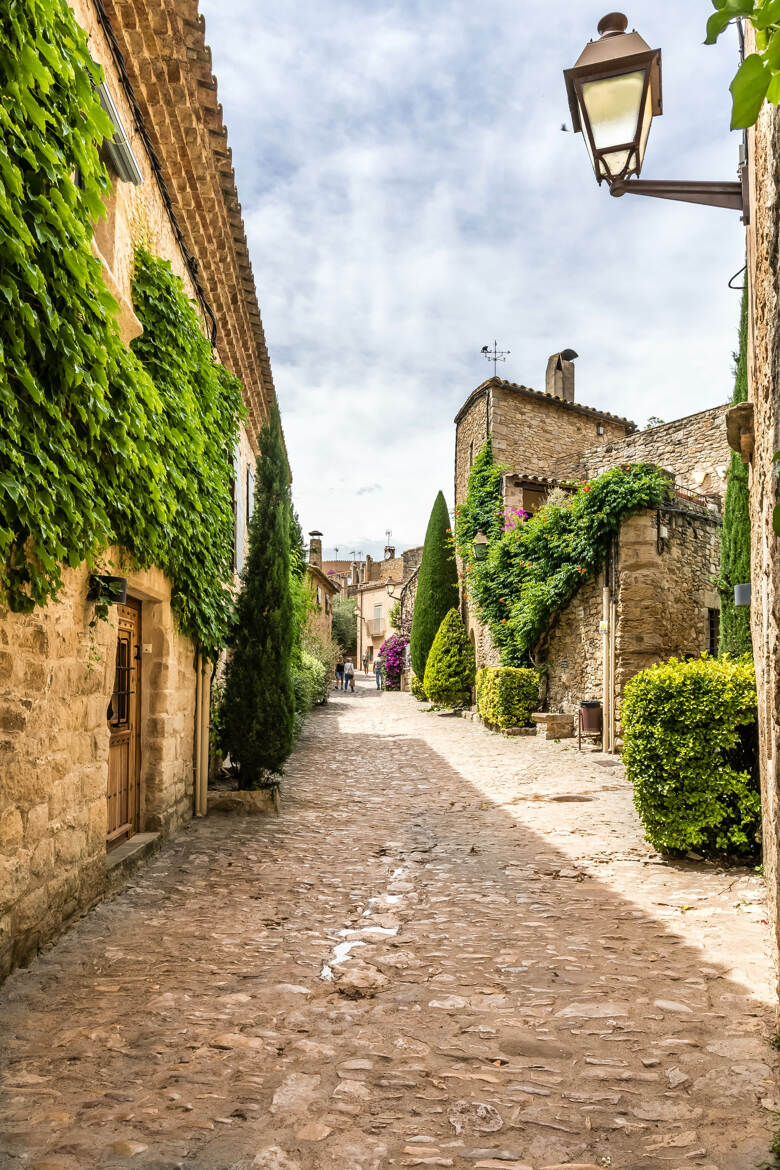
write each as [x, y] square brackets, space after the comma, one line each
[417, 689]
[449, 672]
[506, 695]
[691, 754]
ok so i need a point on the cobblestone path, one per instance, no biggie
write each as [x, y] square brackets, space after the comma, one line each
[451, 949]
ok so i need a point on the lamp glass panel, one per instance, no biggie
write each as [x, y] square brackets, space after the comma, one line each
[583, 119]
[647, 118]
[613, 106]
[614, 163]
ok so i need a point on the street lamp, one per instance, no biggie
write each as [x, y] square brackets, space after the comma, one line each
[480, 546]
[390, 589]
[614, 92]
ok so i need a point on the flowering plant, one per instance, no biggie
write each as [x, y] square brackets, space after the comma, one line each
[393, 655]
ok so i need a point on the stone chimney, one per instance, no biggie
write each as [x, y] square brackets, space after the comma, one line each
[315, 548]
[559, 379]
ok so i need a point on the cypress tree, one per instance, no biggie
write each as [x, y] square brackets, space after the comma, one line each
[450, 671]
[735, 539]
[259, 705]
[437, 585]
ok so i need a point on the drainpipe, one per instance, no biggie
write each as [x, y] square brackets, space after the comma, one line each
[203, 749]
[606, 714]
[196, 733]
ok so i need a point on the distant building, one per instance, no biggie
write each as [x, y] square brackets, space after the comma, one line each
[376, 595]
[322, 587]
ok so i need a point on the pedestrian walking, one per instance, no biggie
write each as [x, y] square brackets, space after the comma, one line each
[378, 673]
[365, 663]
[349, 675]
[340, 675]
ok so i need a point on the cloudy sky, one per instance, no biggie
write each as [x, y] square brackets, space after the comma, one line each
[409, 196]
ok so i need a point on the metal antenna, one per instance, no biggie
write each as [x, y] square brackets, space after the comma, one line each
[388, 535]
[495, 355]
[336, 547]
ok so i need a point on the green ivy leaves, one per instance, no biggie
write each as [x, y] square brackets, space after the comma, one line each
[535, 567]
[758, 77]
[98, 445]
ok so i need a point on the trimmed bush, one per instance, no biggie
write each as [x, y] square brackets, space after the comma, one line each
[417, 689]
[310, 683]
[506, 695]
[449, 675]
[691, 754]
[437, 585]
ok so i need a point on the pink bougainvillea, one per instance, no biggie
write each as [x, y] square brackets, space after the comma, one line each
[393, 655]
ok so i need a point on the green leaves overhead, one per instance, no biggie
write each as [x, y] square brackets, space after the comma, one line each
[758, 77]
[98, 445]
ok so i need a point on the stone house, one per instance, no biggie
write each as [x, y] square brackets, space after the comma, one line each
[323, 588]
[378, 593]
[656, 596]
[755, 433]
[81, 795]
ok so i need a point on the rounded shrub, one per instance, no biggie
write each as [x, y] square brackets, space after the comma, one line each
[507, 695]
[417, 689]
[691, 754]
[449, 673]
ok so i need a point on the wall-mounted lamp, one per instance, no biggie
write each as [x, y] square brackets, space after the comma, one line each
[614, 92]
[480, 546]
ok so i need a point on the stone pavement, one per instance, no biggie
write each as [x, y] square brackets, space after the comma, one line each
[451, 949]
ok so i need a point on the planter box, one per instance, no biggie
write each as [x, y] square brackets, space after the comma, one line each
[262, 802]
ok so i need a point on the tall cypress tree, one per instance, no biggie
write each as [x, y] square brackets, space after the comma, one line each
[259, 705]
[437, 585]
[735, 540]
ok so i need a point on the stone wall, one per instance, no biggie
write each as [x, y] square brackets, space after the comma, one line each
[536, 434]
[574, 655]
[663, 605]
[471, 431]
[694, 448]
[763, 240]
[57, 682]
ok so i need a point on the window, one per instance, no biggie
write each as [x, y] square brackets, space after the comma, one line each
[713, 631]
[319, 595]
[250, 494]
[239, 529]
[471, 452]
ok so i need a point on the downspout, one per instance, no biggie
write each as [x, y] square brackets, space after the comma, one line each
[196, 734]
[605, 661]
[612, 637]
[203, 752]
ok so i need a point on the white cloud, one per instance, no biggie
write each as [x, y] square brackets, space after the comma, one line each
[409, 196]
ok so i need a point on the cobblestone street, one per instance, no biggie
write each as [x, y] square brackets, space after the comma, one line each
[451, 949]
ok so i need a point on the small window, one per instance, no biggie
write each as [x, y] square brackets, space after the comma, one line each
[250, 494]
[319, 595]
[471, 452]
[713, 631]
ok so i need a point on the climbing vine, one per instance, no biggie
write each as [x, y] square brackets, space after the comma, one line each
[535, 565]
[481, 510]
[98, 445]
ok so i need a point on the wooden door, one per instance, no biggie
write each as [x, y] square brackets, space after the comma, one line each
[124, 771]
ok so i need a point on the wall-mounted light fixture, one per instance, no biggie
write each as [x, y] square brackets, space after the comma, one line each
[614, 92]
[480, 546]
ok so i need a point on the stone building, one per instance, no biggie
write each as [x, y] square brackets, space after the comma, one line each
[656, 596]
[81, 794]
[323, 588]
[378, 593]
[755, 430]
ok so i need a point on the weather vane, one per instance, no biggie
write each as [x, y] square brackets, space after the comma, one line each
[495, 355]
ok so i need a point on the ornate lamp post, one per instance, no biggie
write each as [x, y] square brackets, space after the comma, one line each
[614, 92]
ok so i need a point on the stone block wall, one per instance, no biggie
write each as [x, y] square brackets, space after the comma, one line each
[663, 607]
[536, 434]
[471, 431]
[693, 448]
[574, 654]
[763, 249]
[58, 677]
